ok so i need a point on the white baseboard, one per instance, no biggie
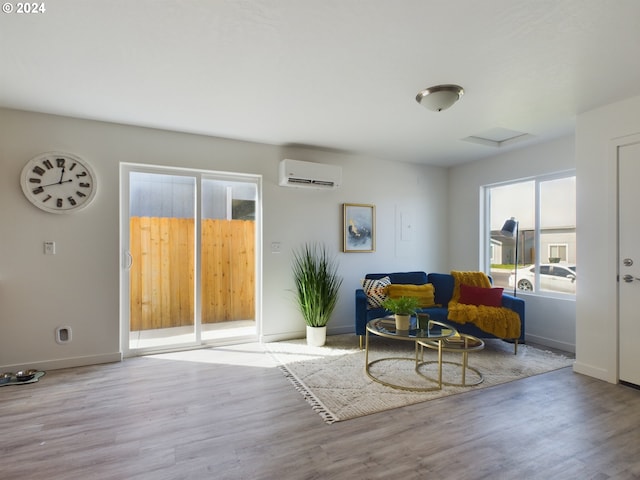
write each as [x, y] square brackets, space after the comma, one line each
[340, 330]
[595, 372]
[280, 337]
[550, 342]
[65, 362]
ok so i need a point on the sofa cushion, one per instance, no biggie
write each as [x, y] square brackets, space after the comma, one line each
[470, 295]
[414, 278]
[376, 290]
[424, 293]
[443, 286]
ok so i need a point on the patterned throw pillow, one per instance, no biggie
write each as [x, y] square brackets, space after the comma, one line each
[376, 290]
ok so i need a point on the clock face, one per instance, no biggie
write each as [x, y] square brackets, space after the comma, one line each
[58, 182]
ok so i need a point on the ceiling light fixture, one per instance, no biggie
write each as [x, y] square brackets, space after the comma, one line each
[440, 97]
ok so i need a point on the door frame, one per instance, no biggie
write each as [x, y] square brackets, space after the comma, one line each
[617, 144]
[125, 260]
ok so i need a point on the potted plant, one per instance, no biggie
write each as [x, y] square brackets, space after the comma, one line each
[403, 308]
[317, 286]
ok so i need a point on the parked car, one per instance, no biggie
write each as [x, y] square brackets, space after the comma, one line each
[554, 277]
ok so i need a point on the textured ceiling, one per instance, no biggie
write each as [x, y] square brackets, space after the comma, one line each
[338, 74]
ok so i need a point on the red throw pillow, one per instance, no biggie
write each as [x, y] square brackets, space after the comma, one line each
[491, 297]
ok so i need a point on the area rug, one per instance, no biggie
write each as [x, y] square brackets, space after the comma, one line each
[333, 379]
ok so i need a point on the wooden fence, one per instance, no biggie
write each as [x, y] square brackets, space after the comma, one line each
[162, 271]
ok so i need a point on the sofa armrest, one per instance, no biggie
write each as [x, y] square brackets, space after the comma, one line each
[361, 311]
[517, 305]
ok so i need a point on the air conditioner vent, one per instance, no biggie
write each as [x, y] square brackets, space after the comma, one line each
[296, 173]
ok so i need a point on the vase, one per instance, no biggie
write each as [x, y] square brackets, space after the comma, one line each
[402, 321]
[316, 336]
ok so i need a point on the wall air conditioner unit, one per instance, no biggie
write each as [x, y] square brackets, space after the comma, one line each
[295, 173]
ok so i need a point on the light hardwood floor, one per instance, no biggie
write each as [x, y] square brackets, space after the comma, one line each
[228, 413]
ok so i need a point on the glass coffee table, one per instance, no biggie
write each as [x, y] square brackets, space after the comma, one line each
[460, 343]
[435, 332]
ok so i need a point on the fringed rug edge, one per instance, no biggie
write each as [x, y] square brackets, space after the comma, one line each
[316, 405]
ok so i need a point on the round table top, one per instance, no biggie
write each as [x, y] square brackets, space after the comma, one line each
[386, 327]
[461, 342]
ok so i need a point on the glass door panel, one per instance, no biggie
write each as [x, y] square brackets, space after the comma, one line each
[162, 257]
[228, 249]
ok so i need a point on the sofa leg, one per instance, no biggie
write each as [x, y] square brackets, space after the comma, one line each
[515, 347]
[360, 341]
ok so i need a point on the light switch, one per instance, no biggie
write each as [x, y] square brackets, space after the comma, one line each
[49, 248]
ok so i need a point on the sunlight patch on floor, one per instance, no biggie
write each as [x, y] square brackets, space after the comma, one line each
[246, 354]
[211, 333]
[232, 343]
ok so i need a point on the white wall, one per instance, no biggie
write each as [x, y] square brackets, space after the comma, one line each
[597, 132]
[548, 321]
[79, 286]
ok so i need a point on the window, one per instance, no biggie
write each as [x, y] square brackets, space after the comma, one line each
[557, 252]
[545, 240]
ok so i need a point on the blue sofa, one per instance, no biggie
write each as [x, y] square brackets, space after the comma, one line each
[443, 284]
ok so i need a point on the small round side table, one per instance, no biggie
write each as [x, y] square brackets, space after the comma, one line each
[461, 343]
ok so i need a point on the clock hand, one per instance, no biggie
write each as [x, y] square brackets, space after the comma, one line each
[61, 176]
[57, 183]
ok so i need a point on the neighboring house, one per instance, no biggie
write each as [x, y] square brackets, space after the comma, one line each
[556, 245]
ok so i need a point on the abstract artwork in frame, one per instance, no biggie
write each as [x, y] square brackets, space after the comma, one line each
[359, 228]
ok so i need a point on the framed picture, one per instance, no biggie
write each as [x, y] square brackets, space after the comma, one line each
[359, 229]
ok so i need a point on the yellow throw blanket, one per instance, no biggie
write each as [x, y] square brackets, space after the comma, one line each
[499, 321]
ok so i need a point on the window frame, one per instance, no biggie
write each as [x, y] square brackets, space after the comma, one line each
[485, 230]
[558, 245]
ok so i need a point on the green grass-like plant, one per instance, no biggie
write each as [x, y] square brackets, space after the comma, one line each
[317, 283]
[402, 305]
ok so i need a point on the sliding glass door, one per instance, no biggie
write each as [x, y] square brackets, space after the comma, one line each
[190, 258]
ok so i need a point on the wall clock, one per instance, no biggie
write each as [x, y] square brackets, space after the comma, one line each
[58, 182]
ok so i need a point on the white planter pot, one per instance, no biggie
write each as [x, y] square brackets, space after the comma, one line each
[316, 336]
[402, 322]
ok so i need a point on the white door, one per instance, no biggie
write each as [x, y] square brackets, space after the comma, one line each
[190, 273]
[629, 262]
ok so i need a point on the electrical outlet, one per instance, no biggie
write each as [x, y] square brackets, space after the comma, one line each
[63, 335]
[276, 247]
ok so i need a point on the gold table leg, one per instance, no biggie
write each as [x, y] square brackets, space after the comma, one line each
[464, 364]
[392, 385]
[440, 363]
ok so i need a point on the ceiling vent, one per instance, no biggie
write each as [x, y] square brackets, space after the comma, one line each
[498, 137]
[296, 173]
